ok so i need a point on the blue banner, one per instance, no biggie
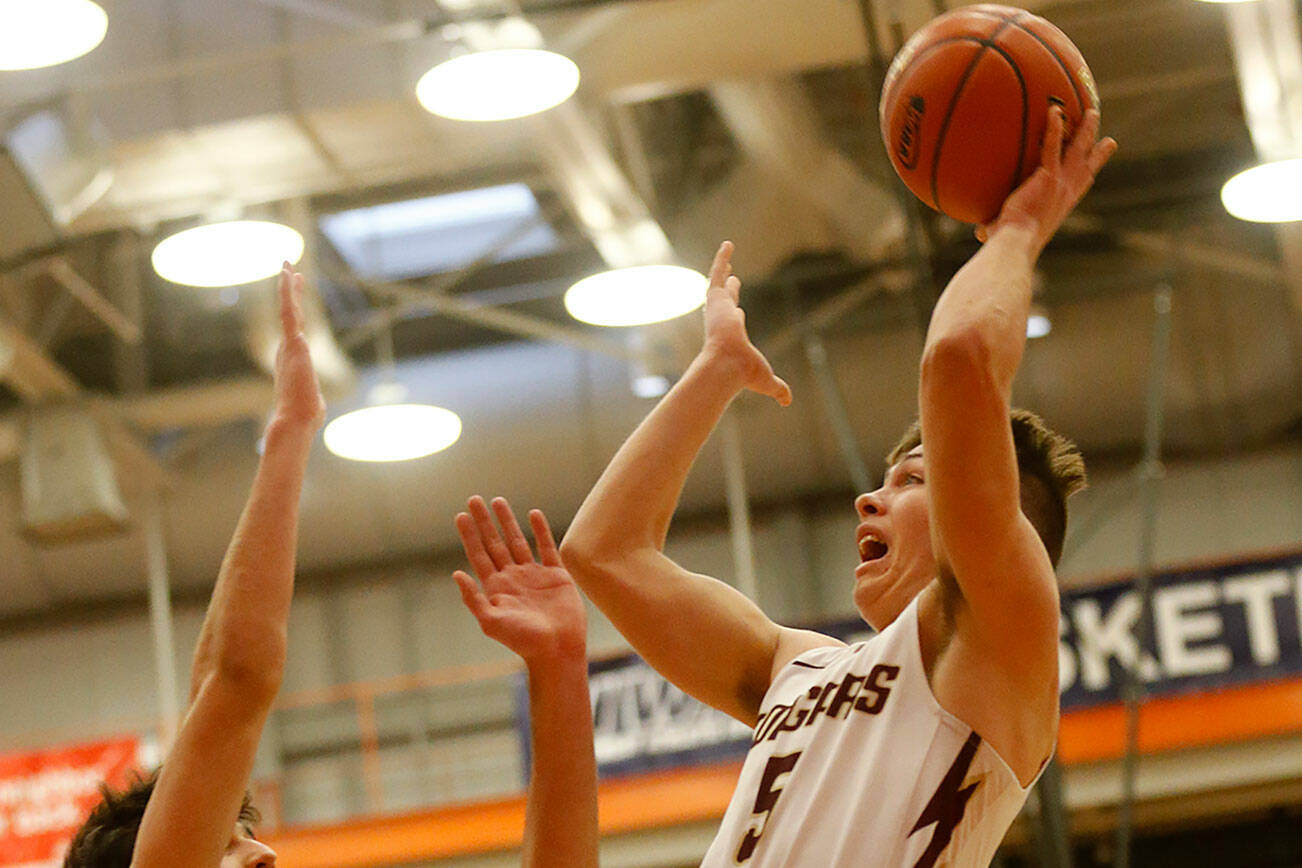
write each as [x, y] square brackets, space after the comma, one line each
[1208, 629]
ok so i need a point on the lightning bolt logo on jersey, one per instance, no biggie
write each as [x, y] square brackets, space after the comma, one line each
[853, 762]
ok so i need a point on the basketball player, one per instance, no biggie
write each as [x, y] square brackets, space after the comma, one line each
[917, 747]
[195, 813]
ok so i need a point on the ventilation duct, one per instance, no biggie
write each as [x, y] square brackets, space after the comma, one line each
[69, 487]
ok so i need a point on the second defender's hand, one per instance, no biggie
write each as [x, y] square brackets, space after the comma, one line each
[531, 606]
[726, 341]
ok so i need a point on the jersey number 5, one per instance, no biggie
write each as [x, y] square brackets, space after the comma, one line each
[765, 800]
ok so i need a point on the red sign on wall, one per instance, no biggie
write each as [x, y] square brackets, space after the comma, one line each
[46, 795]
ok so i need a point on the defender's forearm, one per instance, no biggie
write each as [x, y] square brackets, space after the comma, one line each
[244, 631]
[632, 503]
[561, 819]
[988, 302]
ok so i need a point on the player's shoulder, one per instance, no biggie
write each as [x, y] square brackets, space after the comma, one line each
[794, 644]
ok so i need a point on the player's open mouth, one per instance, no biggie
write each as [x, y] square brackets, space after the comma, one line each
[871, 548]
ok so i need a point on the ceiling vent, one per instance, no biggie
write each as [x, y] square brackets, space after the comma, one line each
[69, 486]
[53, 166]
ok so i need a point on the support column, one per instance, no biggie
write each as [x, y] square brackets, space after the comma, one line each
[160, 618]
[1151, 472]
[734, 475]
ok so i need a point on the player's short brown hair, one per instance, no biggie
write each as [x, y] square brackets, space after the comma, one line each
[1050, 469]
[108, 837]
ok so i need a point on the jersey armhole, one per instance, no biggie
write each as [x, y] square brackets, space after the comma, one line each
[915, 651]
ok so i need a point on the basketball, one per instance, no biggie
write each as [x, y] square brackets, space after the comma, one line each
[966, 103]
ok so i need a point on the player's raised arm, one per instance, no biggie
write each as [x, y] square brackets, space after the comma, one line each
[533, 608]
[698, 632]
[240, 655]
[973, 349]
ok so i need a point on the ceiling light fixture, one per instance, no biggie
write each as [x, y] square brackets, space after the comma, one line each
[638, 295]
[39, 33]
[231, 253]
[498, 85]
[390, 428]
[392, 432]
[1269, 193]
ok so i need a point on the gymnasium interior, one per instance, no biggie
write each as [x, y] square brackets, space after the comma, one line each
[438, 254]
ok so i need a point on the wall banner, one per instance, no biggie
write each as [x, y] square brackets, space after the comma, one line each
[1209, 629]
[46, 795]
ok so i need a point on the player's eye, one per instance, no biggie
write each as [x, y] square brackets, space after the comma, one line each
[914, 478]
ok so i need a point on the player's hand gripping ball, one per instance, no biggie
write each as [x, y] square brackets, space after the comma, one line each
[966, 103]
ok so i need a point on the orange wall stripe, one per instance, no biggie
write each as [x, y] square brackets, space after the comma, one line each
[701, 793]
[1174, 722]
[626, 804]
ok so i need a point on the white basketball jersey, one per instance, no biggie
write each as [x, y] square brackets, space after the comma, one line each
[854, 763]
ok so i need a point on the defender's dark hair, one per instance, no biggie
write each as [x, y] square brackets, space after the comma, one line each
[108, 837]
[1050, 469]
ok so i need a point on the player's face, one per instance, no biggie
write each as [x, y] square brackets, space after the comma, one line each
[894, 538]
[245, 851]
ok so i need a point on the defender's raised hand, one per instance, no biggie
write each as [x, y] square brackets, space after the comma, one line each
[725, 332]
[298, 394]
[1065, 175]
[530, 606]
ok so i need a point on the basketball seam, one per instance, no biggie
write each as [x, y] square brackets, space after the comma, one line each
[953, 103]
[1026, 111]
[1071, 79]
[940, 43]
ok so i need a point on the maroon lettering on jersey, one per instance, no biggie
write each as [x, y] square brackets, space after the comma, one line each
[872, 699]
[846, 693]
[819, 695]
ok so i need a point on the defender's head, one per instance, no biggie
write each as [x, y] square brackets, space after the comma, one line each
[894, 536]
[108, 837]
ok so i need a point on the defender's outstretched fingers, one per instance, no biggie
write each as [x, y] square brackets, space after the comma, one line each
[473, 545]
[516, 543]
[289, 287]
[493, 544]
[780, 392]
[732, 286]
[722, 265]
[542, 534]
[473, 596]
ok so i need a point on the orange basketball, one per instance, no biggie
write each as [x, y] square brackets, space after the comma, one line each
[966, 103]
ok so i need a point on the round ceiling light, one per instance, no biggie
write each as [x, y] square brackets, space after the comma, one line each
[498, 85]
[638, 295]
[392, 432]
[1038, 325]
[227, 254]
[1269, 193]
[37, 33]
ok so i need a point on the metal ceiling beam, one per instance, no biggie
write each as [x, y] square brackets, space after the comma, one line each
[777, 125]
[413, 298]
[92, 299]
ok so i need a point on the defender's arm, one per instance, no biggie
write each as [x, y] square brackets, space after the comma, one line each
[241, 652]
[533, 608]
